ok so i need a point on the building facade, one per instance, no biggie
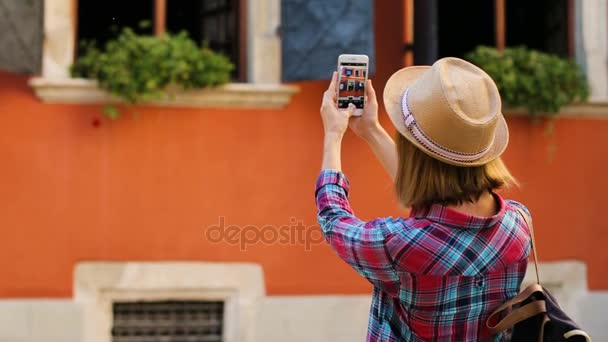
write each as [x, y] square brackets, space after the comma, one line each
[207, 197]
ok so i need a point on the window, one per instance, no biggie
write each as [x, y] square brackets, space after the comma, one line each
[541, 24]
[100, 21]
[568, 28]
[268, 40]
[159, 321]
[216, 23]
[453, 28]
[168, 301]
[230, 24]
[463, 25]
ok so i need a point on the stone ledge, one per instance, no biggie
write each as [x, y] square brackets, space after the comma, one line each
[232, 95]
[576, 110]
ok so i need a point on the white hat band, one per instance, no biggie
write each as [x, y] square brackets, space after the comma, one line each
[423, 139]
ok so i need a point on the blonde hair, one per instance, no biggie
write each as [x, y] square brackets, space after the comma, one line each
[422, 180]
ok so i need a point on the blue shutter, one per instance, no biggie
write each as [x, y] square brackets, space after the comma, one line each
[315, 32]
[21, 35]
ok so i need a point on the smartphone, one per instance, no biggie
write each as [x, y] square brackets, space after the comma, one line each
[352, 74]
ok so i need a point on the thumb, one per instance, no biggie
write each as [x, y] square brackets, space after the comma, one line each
[350, 110]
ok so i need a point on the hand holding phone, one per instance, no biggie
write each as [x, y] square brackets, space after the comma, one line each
[352, 77]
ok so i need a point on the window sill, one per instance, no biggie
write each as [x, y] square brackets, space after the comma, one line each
[232, 95]
[591, 109]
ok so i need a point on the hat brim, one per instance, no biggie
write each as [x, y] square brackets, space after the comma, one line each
[394, 89]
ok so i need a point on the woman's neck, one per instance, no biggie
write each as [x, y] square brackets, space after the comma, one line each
[485, 206]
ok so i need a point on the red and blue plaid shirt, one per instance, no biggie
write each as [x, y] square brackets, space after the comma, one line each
[438, 274]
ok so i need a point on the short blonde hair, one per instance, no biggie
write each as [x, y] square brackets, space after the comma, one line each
[422, 180]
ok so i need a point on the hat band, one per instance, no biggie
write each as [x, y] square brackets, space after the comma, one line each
[423, 139]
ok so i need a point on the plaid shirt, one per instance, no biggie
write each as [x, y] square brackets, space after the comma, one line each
[438, 274]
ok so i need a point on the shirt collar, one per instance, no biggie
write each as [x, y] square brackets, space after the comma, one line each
[444, 215]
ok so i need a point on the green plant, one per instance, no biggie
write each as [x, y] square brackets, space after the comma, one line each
[140, 68]
[539, 82]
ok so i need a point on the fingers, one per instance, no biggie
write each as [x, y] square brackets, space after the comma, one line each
[330, 93]
[333, 83]
[329, 96]
[370, 92]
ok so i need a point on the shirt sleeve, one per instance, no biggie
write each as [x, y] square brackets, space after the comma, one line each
[363, 245]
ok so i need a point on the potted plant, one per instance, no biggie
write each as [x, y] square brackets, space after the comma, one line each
[139, 68]
[539, 82]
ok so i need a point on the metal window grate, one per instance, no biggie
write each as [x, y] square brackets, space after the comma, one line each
[168, 321]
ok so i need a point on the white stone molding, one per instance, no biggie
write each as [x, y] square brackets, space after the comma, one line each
[59, 38]
[98, 284]
[231, 95]
[588, 110]
[592, 45]
[263, 41]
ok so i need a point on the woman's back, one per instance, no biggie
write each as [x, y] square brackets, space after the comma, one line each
[456, 272]
[438, 274]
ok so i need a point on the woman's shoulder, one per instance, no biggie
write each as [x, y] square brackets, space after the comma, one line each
[515, 205]
[407, 222]
[516, 218]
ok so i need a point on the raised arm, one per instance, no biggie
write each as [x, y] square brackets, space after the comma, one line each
[368, 128]
[361, 244]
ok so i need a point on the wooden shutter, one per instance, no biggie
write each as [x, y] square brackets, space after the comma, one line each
[21, 35]
[315, 32]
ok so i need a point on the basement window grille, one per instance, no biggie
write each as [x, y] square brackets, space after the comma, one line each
[167, 321]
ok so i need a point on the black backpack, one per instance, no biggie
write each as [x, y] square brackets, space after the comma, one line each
[534, 315]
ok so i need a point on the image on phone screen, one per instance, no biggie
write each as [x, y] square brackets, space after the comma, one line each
[351, 88]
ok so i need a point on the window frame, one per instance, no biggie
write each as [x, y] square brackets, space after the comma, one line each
[160, 27]
[97, 285]
[587, 34]
[500, 30]
[262, 66]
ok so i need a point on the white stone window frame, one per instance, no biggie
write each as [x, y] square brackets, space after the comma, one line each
[263, 89]
[591, 45]
[97, 285]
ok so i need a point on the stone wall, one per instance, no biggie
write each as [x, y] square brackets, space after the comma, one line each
[282, 318]
[328, 318]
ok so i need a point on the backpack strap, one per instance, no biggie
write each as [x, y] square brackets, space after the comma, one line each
[530, 226]
[518, 315]
[522, 296]
[529, 310]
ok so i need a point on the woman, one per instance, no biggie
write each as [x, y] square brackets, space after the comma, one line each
[463, 251]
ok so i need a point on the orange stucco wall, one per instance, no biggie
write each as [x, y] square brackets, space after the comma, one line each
[144, 188]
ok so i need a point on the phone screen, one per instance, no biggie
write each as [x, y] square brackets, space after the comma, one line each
[351, 88]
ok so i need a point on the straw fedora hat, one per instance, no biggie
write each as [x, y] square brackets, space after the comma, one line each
[450, 110]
